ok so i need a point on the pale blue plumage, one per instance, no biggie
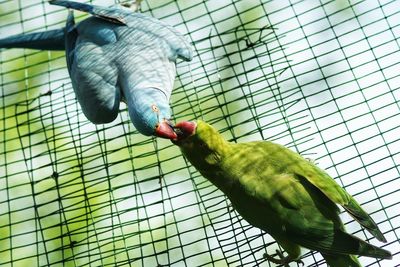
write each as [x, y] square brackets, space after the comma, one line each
[116, 55]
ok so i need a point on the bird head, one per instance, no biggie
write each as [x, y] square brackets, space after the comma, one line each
[196, 131]
[201, 143]
[150, 113]
[198, 138]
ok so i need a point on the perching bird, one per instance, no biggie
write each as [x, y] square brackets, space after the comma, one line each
[117, 55]
[280, 192]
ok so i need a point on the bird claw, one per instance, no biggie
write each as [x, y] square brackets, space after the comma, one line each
[282, 259]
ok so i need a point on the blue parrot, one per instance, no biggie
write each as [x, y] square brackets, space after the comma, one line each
[117, 55]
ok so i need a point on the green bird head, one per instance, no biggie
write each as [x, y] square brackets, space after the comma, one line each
[200, 142]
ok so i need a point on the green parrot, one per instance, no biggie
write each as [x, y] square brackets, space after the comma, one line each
[280, 192]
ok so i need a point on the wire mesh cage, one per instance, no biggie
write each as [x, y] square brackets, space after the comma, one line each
[320, 77]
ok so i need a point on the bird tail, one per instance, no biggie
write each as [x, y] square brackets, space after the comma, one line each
[341, 260]
[349, 244]
[366, 249]
[48, 40]
[355, 210]
[342, 244]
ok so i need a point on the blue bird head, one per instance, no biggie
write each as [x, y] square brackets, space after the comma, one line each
[150, 112]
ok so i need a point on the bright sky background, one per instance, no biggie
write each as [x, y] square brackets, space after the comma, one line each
[325, 83]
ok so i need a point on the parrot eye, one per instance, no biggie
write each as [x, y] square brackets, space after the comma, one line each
[155, 108]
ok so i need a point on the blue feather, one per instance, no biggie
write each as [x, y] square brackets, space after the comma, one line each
[116, 55]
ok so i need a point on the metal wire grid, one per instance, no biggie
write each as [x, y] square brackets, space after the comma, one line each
[317, 76]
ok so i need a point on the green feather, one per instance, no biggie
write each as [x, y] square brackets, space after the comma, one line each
[342, 261]
[280, 192]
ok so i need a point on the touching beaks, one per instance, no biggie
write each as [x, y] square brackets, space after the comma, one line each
[165, 130]
[185, 129]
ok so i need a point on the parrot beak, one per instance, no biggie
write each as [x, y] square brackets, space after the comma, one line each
[185, 129]
[165, 130]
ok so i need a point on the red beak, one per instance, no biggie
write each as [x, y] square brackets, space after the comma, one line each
[165, 130]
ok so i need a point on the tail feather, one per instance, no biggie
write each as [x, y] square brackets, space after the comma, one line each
[341, 260]
[364, 219]
[366, 249]
[348, 244]
[344, 244]
[71, 35]
[48, 40]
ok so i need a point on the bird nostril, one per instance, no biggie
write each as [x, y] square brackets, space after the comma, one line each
[179, 132]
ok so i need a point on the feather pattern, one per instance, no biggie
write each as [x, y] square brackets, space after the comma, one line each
[116, 55]
[280, 192]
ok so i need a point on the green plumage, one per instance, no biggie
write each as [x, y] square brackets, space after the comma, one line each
[280, 192]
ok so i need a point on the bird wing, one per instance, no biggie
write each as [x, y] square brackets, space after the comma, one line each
[292, 162]
[263, 171]
[320, 179]
[310, 218]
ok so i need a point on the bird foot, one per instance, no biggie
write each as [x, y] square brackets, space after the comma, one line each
[282, 259]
